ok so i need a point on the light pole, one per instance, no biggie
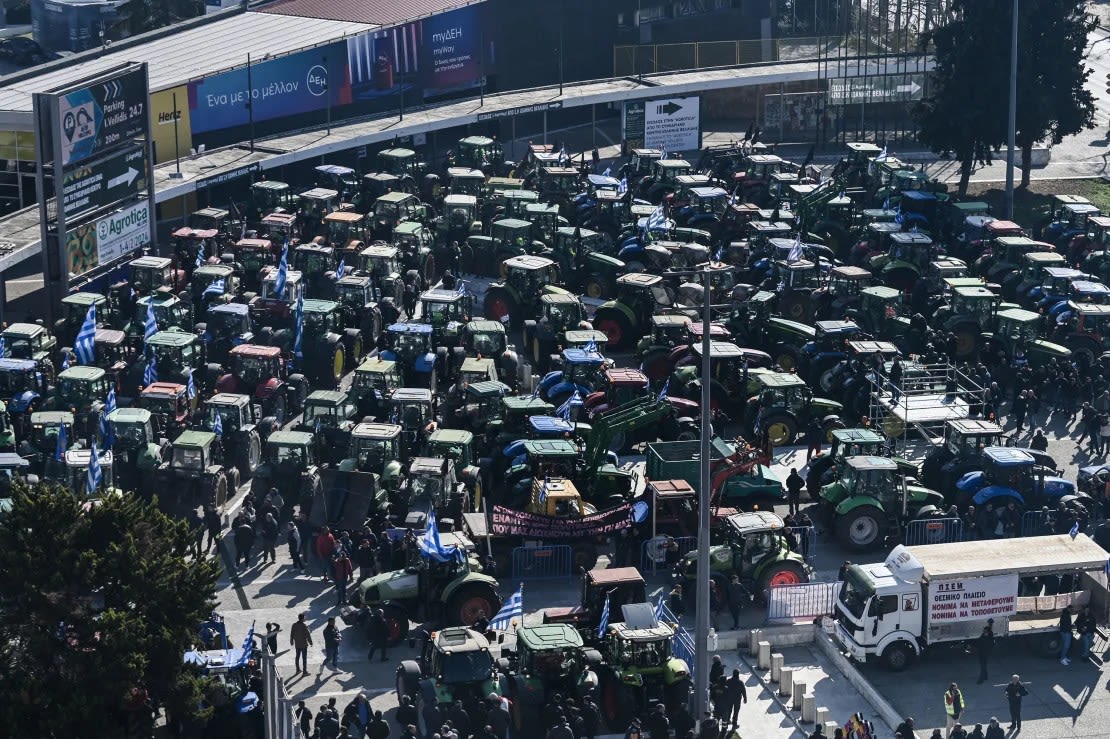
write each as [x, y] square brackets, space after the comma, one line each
[701, 590]
[1013, 116]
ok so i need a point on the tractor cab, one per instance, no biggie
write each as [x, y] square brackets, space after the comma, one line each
[314, 260]
[485, 339]
[75, 307]
[667, 171]
[1007, 475]
[460, 212]
[394, 208]
[514, 203]
[1070, 212]
[913, 247]
[411, 408]
[1034, 271]
[170, 407]
[344, 228]
[374, 381]
[977, 303]
[343, 180]
[477, 369]
[40, 445]
[478, 152]
[583, 367]
[174, 352]
[314, 204]
[562, 311]
[76, 478]
[559, 182]
[212, 283]
[226, 325]
[941, 270]
[726, 365]
[470, 183]
[291, 451]
[529, 274]
[641, 163]
[383, 263]
[112, 352]
[81, 388]
[446, 311]
[169, 312]
[279, 305]
[271, 196]
[373, 186]
[880, 308]
[148, 274]
[874, 477]
[847, 282]
[668, 330]
[30, 341]
[402, 163]
[189, 241]
[456, 445]
[481, 404]
[609, 589]
[22, 384]
[409, 342]
[253, 255]
[623, 385]
[1018, 332]
[545, 220]
[374, 446]
[279, 228]
[644, 294]
[329, 415]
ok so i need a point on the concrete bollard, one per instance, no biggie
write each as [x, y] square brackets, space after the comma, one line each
[754, 637]
[830, 728]
[765, 655]
[809, 709]
[786, 681]
[821, 717]
[776, 667]
[799, 693]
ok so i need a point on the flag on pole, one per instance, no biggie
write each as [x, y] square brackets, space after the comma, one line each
[608, 172]
[663, 391]
[657, 221]
[248, 647]
[432, 547]
[622, 188]
[297, 343]
[604, 623]
[190, 387]
[150, 326]
[341, 269]
[460, 289]
[563, 156]
[218, 425]
[216, 287]
[1074, 530]
[107, 431]
[85, 344]
[543, 490]
[574, 401]
[200, 255]
[110, 402]
[95, 474]
[590, 346]
[659, 608]
[3, 347]
[513, 609]
[796, 253]
[283, 270]
[150, 375]
[65, 361]
[62, 444]
[882, 156]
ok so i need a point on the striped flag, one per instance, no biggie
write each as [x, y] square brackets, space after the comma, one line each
[283, 270]
[248, 647]
[657, 221]
[110, 403]
[341, 269]
[622, 188]
[297, 343]
[796, 253]
[1074, 530]
[659, 608]
[3, 347]
[150, 327]
[216, 287]
[663, 391]
[201, 258]
[150, 375]
[85, 344]
[218, 425]
[604, 623]
[191, 387]
[95, 473]
[63, 443]
[543, 490]
[513, 609]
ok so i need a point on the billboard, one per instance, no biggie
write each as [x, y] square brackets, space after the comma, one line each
[673, 125]
[304, 82]
[440, 55]
[101, 115]
[162, 118]
[108, 238]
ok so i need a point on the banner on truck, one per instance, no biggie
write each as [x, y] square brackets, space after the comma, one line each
[509, 522]
[972, 599]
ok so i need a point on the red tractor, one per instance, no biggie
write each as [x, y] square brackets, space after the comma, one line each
[260, 371]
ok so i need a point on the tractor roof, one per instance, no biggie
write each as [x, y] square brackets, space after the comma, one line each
[581, 356]
[110, 336]
[24, 330]
[1062, 273]
[476, 141]
[549, 637]
[834, 328]
[624, 377]
[427, 466]
[551, 448]
[172, 338]
[290, 438]
[779, 379]
[397, 152]
[354, 281]
[769, 226]
[438, 295]
[755, 521]
[919, 195]
[459, 640]
[164, 390]
[707, 193]
[863, 147]
[407, 228]
[82, 457]
[1015, 240]
[344, 216]
[376, 431]
[159, 299]
[1090, 309]
[550, 425]
[526, 403]
[81, 372]
[483, 326]
[616, 575]
[1004, 456]
[448, 437]
[851, 272]
[52, 418]
[513, 223]
[671, 489]
[410, 328]
[152, 262]
[659, 632]
[459, 199]
[911, 238]
[375, 365]
[579, 336]
[319, 193]
[85, 299]
[858, 436]
[314, 305]
[974, 292]
[284, 220]
[256, 350]
[411, 394]
[333, 398]
[669, 320]
[478, 364]
[236, 399]
[874, 347]
[887, 227]
[395, 197]
[1046, 257]
[639, 279]
[11, 460]
[315, 248]
[1089, 288]
[379, 250]
[335, 169]
[214, 270]
[1019, 315]
[1100, 221]
[129, 415]
[487, 389]
[572, 231]
[384, 177]
[719, 350]
[528, 262]
[869, 462]
[238, 309]
[195, 439]
[972, 427]
[17, 365]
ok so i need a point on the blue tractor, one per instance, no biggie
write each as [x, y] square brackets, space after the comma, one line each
[1011, 474]
[582, 372]
[237, 710]
[410, 346]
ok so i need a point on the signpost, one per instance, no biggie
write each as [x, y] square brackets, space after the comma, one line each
[523, 110]
[885, 89]
[671, 124]
[633, 124]
[93, 143]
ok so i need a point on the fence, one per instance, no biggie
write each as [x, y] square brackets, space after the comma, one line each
[654, 554]
[543, 563]
[802, 602]
[682, 646]
[934, 531]
[280, 721]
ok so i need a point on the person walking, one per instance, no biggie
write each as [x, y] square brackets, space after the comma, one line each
[1018, 410]
[269, 538]
[794, 485]
[325, 547]
[735, 694]
[737, 593]
[1065, 635]
[332, 637]
[814, 436]
[215, 527]
[303, 714]
[342, 571]
[301, 639]
[954, 707]
[985, 645]
[379, 634]
[293, 539]
[1015, 691]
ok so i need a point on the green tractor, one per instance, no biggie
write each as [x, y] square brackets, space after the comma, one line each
[75, 307]
[453, 591]
[909, 254]
[584, 263]
[329, 415]
[853, 442]
[787, 406]
[518, 293]
[549, 659]
[40, 445]
[289, 464]
[326, 344]
[640, 670]
[31, 341]
[639, 297]
[138, 452]
[244, 429]
[560, 312]
[1017, 332]
[373, 382]
[82, 390]
[969, 312]
[870, 501]
[753, 546]
[192, 476]
[170, 311]
[508, 238]
[382, 263]
[447, 311]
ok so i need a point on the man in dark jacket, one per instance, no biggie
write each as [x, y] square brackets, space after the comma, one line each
[735, 694]
[710, 728]
[406, 712]
[378, 632]
[682, 722]
[378, 728]
[244, 540]
[794, 486]
[1015, 691]
[737, 595]
[985, 646]
[657, 725]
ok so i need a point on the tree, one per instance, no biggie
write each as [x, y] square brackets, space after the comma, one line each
[1052, 100]
[97, 606]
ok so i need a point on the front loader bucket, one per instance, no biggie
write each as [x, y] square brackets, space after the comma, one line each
[345, 499]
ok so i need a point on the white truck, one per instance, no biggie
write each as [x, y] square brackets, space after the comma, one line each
[926, 595]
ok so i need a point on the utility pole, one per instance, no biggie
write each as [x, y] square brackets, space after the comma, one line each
[176, 141]
[250, 100]
[701, 591]
[1013, 116]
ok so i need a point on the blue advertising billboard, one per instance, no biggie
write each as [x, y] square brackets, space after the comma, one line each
[439, 55]
[288, 85]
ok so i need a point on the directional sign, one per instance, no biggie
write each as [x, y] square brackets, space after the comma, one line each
[673, 125]
[231, 174]
[102, 114]
[102, 182]
[633, 121]
[523, 110]
[896, 88]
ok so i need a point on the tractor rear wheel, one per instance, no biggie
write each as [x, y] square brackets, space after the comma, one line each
[336, 364]
[596, 287]
[861, 529]
[464, 606]
[216, 490]
[616, 327]
[499, 304]
[781, 429]
[248, 455]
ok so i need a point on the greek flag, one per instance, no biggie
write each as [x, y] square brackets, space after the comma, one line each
[882, 156]
[216, 287]
[430, 545]
[150, 326]
[663, 391]
[300, 327]
[95, 475]
[796, 252]
[659, 607]
[341, 269]
[898, 217]
[3, 347]
[63, 443]
[657, 221]
[190, 387]
[150, 375]
[513, 609]
[622, 188]
[886, 203]
[283, 269]
[218, 426]
[663, 152]
[85, 344]
[200, 255]
[608, 172]
[65, 361]
[604, 623]
[110, 402]
[461, 288]
[1074, 530]
[106, 431]
[248, 647]
[562, 156]
[543, 490]
[574, 401]
[591, 346]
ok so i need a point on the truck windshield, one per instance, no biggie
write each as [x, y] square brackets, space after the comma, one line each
[856, 591]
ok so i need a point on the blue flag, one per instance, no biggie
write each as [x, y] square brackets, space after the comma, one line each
[65, 361]
[341, 269]
[150, 327]
[543, 490]
[663, 391]
[216, 287]
[107, 431]
[282, 275]
[622, 188]
[248, 647]
[3, 347]
[297, 343]
[1074, 530]
[431, 547]
[110, 403]
[95, 475]
[150, 375]
[190, 387]
[604, 623]
[201, 258]
[85, 344]
[62, 444]
[590, 346]
[218, 426]
[512, 610]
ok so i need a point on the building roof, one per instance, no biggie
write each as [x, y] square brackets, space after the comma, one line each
[376, 12]
[191, 53]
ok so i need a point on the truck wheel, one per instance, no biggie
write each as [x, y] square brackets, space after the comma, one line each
[786, 572]
[396, 624]
[464, 606]
[898, 656]
[861, 530]
[408, 679]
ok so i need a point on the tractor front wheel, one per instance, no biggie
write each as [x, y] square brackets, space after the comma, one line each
[469, 602]
[785, 572]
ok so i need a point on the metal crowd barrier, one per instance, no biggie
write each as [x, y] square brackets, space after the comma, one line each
[802, 602]
[543, 563]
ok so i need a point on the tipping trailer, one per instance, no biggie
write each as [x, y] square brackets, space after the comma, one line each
[944, 593]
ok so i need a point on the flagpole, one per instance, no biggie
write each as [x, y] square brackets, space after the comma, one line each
[701, 640]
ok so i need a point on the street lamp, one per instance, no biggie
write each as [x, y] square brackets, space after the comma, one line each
[1013, 116]
[701, 589]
